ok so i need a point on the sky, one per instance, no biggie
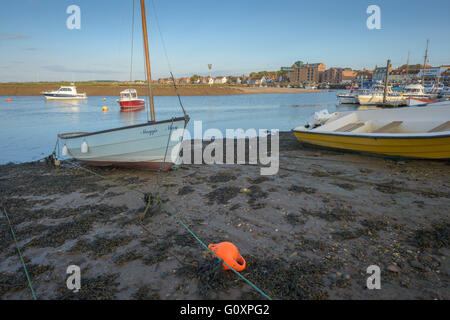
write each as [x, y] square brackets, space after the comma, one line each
[235, 36]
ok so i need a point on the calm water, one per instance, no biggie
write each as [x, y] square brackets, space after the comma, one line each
[29, 124]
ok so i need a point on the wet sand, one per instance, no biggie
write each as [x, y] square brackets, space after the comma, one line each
[114, 90]
[309, 232]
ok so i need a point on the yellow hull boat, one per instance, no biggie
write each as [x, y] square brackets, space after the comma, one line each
[422, 132]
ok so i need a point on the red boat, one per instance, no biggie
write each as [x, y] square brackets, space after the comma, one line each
[129, 101]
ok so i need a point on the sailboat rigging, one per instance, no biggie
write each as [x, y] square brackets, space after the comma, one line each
[153, 144]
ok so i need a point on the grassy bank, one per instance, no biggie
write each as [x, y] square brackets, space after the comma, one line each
[114, 88]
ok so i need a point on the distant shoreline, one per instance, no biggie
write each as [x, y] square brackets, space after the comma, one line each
[30, 89]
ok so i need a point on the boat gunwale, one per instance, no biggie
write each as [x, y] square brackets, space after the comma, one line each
[61, 135]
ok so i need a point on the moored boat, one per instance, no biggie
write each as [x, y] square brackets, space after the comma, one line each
[152, 144]
[348, 97]
[64, 93]
[405, 132]
[376, 97]
[412, 101]
[129, 101]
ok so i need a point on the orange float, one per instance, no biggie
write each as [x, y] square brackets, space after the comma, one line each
[229, 254]
[9, 99]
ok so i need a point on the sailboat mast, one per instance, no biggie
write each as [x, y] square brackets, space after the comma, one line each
[407, 68]
[147, 60]
[425, 62]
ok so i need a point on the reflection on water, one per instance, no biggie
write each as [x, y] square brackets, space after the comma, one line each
[131, 117]
[29, 125]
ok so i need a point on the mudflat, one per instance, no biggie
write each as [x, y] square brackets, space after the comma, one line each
[158, 90]
[308, 232]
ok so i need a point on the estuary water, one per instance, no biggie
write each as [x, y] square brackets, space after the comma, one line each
[29, 124]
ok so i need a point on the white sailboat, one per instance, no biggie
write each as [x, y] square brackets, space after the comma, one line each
[377, 97]
[152, 144]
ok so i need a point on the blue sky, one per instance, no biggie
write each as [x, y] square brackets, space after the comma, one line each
[236, 36]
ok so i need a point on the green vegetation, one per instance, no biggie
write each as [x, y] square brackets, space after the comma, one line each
[260, 74]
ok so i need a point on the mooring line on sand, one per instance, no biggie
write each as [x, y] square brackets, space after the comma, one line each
[179, 221]
[20, 254]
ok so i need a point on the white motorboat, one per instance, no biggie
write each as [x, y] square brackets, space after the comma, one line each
[64, 93]
[415, 90]
[348, 97]
[153, 144]
[351, 97]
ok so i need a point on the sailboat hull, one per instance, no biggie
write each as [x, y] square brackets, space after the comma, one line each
[152, 145]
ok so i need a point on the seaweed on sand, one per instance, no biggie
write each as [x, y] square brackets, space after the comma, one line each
[255, 194]
[221, 177]
[101, 245]
[277, 278]
[222, 195]
[145, 293]
[126, 257]
[437, 236]
[17, 281]
[333, 214]
[158, 252]
[301, 189]
[185, 190]
[84, 218]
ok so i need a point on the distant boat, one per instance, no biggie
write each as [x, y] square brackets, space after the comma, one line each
[149, 145]
[415, 90]
[405, 132]
[376, 97]
[412, 101]
[64, 93]
[347, 98]
[129, 101]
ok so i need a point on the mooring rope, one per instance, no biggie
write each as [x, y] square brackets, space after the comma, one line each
[20, 254]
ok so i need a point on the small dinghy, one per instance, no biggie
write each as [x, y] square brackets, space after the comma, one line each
[413, 132]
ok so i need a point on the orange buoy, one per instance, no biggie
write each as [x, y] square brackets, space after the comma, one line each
[105, 108]
[229, 254]
[9, 99]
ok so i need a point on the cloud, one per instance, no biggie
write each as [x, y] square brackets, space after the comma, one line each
[13, 36]
[59, 68]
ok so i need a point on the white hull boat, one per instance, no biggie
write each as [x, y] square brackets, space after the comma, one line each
[375, 99]
[347, 98]
[64, 93]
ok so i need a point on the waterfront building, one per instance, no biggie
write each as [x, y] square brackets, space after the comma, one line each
[338, 75]
[432, 73]
[379, 74]
[306, 73]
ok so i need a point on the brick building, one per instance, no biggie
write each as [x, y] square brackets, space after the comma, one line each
[306, 73]
[338, 75]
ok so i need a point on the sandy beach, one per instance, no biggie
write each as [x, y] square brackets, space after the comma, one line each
[114, 90]
[309, 232]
